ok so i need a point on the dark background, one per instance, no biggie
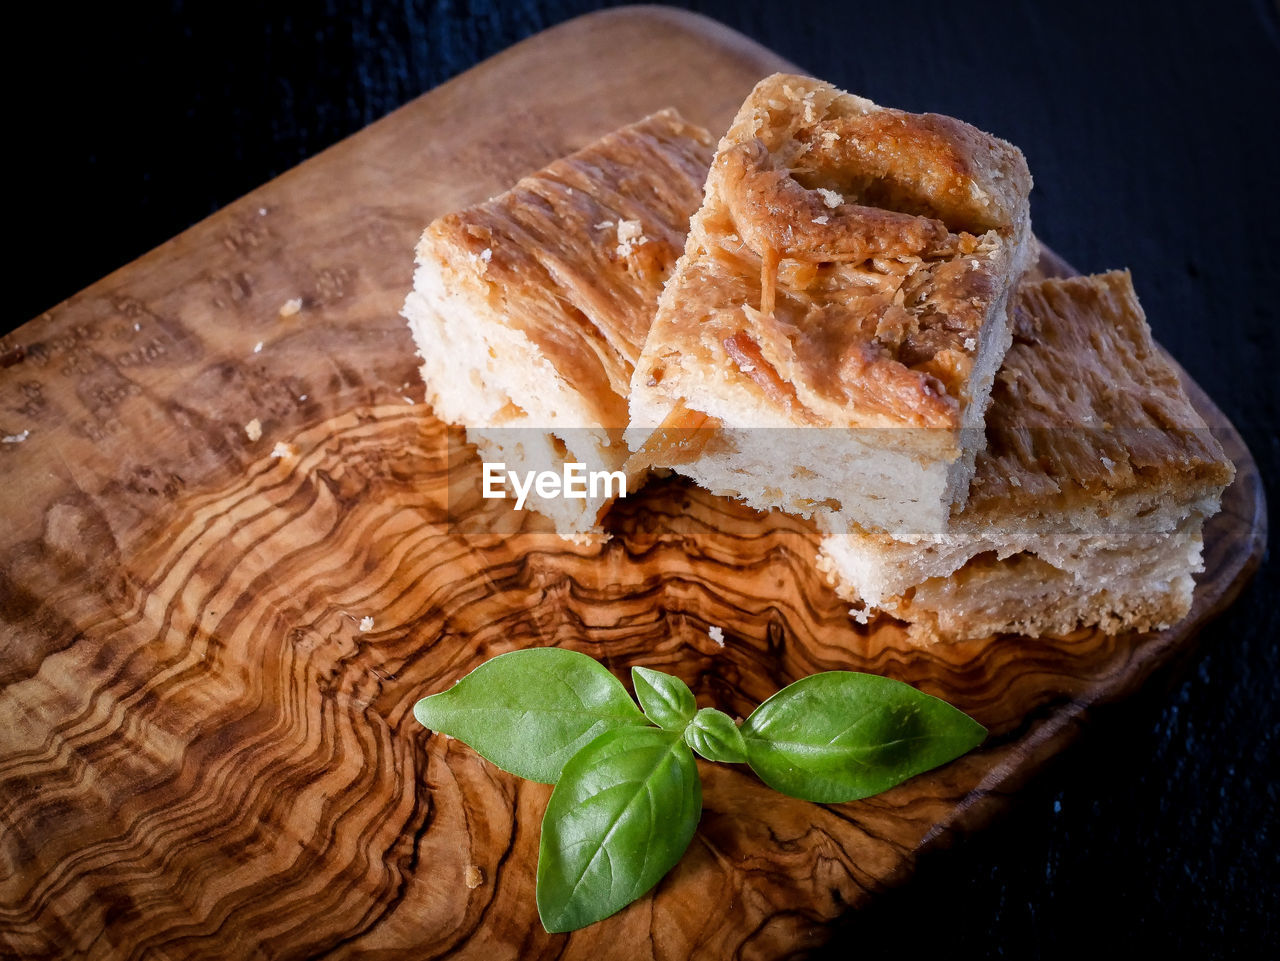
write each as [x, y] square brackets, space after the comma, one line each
[1151, 130]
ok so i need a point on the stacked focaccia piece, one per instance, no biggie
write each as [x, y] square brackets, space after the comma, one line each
[1088, 501]
[840, 310]
[836, 342]
[529, 310]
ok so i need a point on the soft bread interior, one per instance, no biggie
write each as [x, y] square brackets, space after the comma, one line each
[1143, 584]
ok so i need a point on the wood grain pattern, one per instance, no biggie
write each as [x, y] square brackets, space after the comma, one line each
[205, 755]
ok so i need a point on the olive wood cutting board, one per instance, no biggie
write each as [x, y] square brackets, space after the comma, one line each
[213, 638]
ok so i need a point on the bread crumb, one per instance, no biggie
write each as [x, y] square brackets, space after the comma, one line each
[831, 198]
[829, 138]
[1013, 479]
[253, 429]
[284, 450]
[821, 220]
[291, 307]
[630, 236]
[17, 438]
[472, 877]
[716, 634]
[137, 326]
[604, 225]
[1108, 463]
[408, 400]
[970, 343]
[366, 624]
[302, 397]
[257, 348]
[262, 211]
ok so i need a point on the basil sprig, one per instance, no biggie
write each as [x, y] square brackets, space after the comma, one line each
[627, 795]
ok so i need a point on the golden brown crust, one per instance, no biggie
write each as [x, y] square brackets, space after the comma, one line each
[927, 164]
[835, 252]
[1087, 407]
[575, 255]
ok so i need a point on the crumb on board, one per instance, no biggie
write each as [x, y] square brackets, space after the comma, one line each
[253, 429]
[629, 230]
[630, 236]
[716, 634]
[291, 307]
[473, 877]
[17, 438]
[283, 449]
[366, 624]
[257, 348]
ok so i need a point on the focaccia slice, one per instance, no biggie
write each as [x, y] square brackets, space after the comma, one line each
[1088, 502]
[529, 310]
[840, 310]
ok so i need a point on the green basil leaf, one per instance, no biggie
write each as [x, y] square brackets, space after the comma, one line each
[713, 734]
[530, 711]
[620, 817]
[667, 700]
[839, 736]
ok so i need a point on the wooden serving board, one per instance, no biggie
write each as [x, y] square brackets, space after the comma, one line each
[204, 753]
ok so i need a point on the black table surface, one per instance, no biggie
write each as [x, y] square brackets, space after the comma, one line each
[1153, 132]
